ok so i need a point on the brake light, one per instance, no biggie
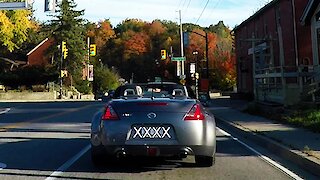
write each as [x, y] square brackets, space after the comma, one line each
[153, 104]
[110, 114]
[195, 113]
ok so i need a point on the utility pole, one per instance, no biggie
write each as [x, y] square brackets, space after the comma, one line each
[61, 63]
[207, 56]
[182, 50]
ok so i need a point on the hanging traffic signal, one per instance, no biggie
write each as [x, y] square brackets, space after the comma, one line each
[65, 53]
[64, 49]
[163, 54]
[93, 50]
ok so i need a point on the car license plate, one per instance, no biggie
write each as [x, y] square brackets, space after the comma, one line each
[151, 132]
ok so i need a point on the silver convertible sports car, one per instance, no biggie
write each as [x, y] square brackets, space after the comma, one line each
[153, 120]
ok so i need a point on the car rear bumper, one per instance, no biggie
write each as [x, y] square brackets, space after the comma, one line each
[159, 151]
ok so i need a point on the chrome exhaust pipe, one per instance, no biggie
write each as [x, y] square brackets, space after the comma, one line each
[121, 154]
[183, 154]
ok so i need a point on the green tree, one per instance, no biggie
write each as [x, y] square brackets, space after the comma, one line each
[105, 79]
[67, 25]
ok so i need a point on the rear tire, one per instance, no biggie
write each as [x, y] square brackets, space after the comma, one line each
[97, 155]
[204, 161]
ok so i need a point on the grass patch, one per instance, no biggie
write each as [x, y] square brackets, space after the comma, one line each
[299, 116]
[309, 118]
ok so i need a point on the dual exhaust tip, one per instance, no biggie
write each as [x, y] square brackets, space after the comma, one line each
[121, 154]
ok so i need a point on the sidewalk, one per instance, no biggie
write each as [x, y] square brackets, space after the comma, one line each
[295, 144]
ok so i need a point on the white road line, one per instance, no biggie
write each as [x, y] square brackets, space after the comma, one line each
[67, 164]
[5, 111]
[265, 158]
[2, 166]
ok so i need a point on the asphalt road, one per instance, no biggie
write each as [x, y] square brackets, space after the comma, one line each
[51, 140]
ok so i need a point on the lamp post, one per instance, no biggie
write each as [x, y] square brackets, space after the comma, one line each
[207, 58]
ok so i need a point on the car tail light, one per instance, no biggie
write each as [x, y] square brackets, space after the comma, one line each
[195, 113]
[110, 114]
[153, 104]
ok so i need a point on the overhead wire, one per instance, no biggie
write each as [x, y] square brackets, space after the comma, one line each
[202, 11]
[185, 11]
[212, 10]
[179, 4]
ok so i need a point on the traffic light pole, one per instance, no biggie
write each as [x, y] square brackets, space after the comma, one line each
[61, 62]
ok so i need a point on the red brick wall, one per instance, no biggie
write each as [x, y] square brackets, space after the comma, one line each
[303, 34]
[263, 25]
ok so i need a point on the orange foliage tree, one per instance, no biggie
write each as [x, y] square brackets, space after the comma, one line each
[136, 45]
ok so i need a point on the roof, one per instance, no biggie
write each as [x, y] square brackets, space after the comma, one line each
[309, 11]
[259, 12]
[40, 44]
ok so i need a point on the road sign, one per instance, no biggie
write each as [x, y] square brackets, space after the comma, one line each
[14, 5]
[90, 72]
[178, 58]
[193, 68]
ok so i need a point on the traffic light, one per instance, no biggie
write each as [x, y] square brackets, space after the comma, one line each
[64, 49]
[64, 46]
[163, 54]
[65, 53]
[93, 50]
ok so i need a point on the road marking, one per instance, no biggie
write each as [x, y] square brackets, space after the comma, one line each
[21, 124]
[2, 166]
[69, 163]
[265, 158]
[5, 111]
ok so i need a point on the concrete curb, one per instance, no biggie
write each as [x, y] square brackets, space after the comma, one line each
[304, 161]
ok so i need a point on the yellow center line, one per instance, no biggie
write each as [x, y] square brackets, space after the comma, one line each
[21, 124]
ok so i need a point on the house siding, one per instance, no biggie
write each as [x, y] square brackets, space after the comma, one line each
[265, 25]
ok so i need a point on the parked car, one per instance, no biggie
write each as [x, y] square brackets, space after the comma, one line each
[153, 120]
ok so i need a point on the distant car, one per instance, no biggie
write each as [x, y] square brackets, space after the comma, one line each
[153, 120]
[104, 96]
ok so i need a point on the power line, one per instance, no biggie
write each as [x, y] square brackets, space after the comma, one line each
[202, 11]
[188, 5]
[212, 10]
[179, 4]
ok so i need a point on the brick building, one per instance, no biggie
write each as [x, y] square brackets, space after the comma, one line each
[37, 56]
[278, 50]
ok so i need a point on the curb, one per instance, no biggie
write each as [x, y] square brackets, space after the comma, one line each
[305, 162]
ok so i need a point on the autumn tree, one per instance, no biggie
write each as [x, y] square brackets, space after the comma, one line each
[14, 26]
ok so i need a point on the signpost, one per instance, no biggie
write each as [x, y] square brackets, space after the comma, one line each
[15, 5]
[178, 58]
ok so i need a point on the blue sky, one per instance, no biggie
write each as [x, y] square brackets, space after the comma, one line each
[232, 12]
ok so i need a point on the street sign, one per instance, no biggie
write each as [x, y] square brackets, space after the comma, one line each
[15, 5]
[193, 68]
[90, 72]
[178, 58]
